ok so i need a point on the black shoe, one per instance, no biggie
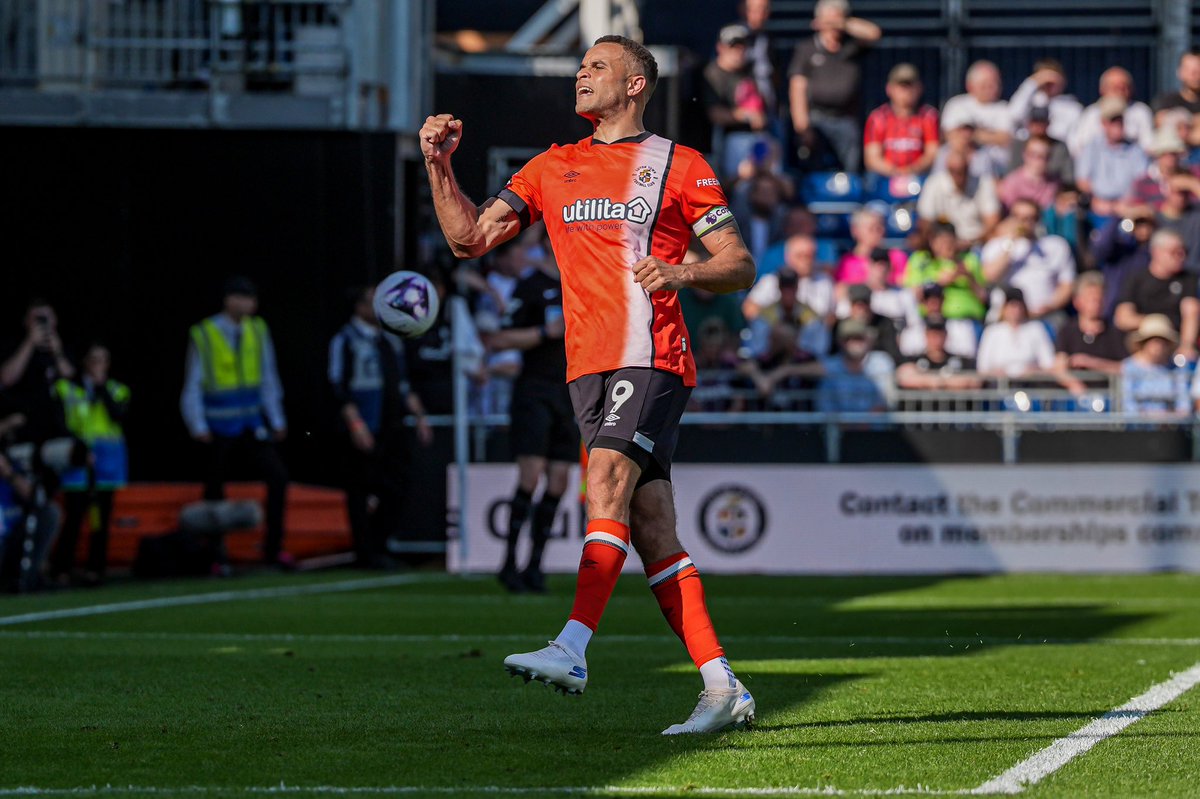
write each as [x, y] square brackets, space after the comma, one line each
[534, 580]
[511, 579]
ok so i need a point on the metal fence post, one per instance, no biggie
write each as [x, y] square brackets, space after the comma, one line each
[1174, 38]
[833, 442]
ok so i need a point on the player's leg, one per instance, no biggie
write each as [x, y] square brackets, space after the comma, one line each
[676, 584]
[557, 473]
[529, 469]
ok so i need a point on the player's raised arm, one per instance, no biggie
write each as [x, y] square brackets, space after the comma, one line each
[469, 230]
[731, 267]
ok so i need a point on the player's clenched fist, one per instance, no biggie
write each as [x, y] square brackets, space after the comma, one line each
[654, 274]
[440, 136]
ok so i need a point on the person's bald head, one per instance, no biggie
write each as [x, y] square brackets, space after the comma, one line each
[1116, 82]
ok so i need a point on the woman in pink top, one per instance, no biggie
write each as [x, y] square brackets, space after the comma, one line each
[1031, 180]
[868, 229]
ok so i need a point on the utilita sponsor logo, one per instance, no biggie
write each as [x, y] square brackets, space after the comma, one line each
[600, 208]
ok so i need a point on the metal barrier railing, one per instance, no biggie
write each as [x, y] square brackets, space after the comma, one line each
[79, 44]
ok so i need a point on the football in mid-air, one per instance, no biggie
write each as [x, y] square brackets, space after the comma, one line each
[406, 303]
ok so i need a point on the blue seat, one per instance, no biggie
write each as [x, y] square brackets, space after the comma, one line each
[831, 187]
[833, 226]
[894, 190]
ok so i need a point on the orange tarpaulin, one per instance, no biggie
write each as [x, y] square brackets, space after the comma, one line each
[315, 523]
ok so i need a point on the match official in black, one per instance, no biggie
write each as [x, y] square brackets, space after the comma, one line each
[543, 434]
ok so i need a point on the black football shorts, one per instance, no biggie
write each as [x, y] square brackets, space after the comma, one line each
[543, 423]
[635, 411]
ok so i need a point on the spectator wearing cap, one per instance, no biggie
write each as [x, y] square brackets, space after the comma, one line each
[867, 228]
[934, 368]
[1014, 345]
[790, 308]
[886, 297]
[901, 136]
[945, 263]
[962, 335]
[884, 331]
[1150, 383]
[981, 109]
[859, 378]
[1151, 189]
[232, 404]
[1061, 166]
[1187, 96]
[814, 287]
[1032, 180]
[1041, 266]
[1120, 248]
[1163, 288]
[739, 113]
[1087, 342]
[1115, 82]
[1110, 164]
[1047, 87]
[967, 201]
[960, 138]
[825, 82]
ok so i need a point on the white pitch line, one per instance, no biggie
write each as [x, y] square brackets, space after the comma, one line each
[504, 790]
[215, 596]
[1049, 760]
[468, 638]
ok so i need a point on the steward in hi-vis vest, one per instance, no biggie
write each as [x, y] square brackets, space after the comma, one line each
[232, 404]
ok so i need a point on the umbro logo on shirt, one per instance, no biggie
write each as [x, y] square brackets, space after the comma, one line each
[569, 177]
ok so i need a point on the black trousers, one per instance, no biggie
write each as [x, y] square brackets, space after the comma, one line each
[380, 474]
[247, 455]
[76, 504]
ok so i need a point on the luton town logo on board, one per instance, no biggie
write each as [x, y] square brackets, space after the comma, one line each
[645, 176]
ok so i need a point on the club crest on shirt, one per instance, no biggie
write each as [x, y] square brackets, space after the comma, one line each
[645, 176]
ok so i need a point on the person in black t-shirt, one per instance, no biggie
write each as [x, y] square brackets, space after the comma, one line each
[1188, 94]
[825, 82]
[737, 109]
[1087, 342]
[935, 368]
[1165, 288]
[29, 373]
[544, 437]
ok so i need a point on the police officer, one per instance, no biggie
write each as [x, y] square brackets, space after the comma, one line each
[95, 407]
[232, 404]
[367, 374]
[544, 437]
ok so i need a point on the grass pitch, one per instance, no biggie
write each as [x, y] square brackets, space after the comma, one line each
[312, 686]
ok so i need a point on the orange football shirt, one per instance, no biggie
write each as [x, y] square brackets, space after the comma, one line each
[607, 206]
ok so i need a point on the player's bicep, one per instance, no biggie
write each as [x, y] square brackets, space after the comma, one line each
[498, 222]
[726, 238]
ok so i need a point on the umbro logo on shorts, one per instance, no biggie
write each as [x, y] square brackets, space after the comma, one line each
[611, 418]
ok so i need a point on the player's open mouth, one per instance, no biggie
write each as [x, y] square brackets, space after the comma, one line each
[583, 90]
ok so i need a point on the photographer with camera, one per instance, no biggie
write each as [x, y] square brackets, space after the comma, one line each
[29, 374]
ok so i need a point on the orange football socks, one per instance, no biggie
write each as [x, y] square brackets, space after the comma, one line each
[677, 587]
[604, 550]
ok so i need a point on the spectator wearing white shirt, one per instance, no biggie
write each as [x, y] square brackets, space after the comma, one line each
[814, 287]
[1139, 120]
[1014, 345]
[1046, 86]
[967, 201]
[982, 109]
[1042, 267]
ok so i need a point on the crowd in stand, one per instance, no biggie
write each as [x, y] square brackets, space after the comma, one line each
[1027, 239]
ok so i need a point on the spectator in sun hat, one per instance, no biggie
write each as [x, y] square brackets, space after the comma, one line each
[1150, 382]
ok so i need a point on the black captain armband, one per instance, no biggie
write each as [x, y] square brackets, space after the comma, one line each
[517, 204]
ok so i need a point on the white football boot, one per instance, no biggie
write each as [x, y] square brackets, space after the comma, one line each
[718, 710]
[555, 665]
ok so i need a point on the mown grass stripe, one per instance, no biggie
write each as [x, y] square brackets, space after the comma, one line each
[442, 790]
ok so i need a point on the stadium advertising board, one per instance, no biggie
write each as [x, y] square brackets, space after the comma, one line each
[889, 519]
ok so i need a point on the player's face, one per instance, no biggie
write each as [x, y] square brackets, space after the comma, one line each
[602, 82]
